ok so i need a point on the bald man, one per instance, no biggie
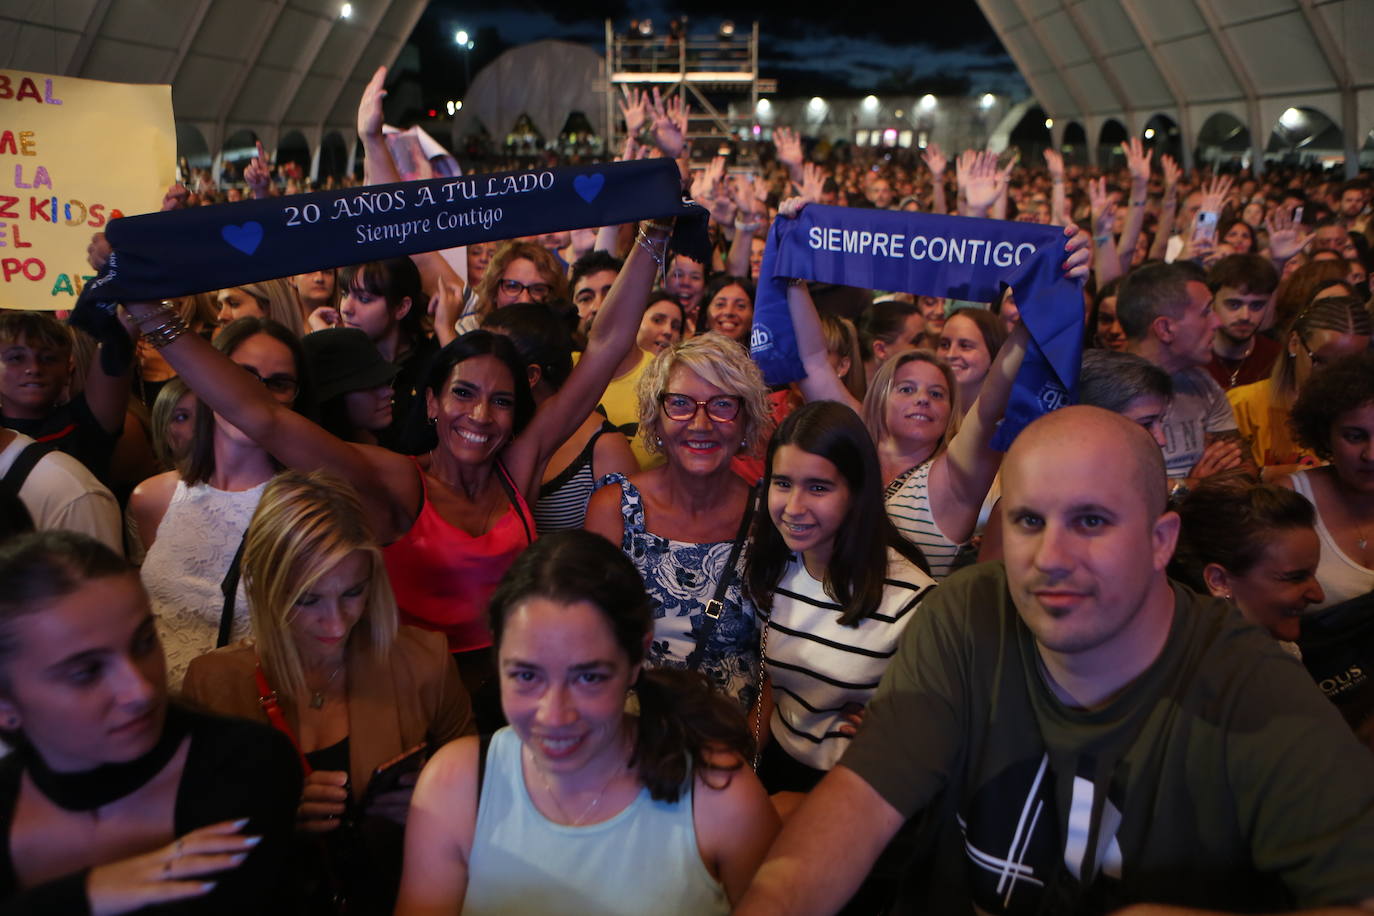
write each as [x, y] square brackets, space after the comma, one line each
[1082, 734]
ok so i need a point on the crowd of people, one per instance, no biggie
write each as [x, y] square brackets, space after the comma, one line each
[515, 589]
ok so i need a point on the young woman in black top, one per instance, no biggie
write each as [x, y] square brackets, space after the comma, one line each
[114, 799]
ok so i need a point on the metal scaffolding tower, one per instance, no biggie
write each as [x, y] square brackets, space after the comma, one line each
[704, 70]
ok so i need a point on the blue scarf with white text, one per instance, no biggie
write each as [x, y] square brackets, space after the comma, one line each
[925, 254]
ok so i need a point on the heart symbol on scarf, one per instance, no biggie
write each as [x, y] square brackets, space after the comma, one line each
[245, 238]
[588, 186]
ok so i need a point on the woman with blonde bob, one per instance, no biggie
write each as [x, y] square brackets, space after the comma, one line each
[329, 666]
[701, 403]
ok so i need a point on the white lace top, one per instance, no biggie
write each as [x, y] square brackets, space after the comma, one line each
[196, 541]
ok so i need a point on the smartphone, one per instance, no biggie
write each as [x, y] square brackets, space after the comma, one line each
[1206, 225]
[387, 777]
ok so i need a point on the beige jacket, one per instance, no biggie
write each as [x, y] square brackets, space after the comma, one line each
[413, 695]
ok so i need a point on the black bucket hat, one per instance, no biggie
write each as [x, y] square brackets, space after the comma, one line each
[343, 360]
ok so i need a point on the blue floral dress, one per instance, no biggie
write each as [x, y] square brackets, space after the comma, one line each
[681, 578]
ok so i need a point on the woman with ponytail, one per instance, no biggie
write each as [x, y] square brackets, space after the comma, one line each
[614, 789]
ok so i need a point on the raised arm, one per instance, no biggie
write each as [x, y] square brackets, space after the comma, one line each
[963, 474]
[820, 382]
[936, 161]
[612, 335]
[1106, 262]
[388, 485]
[1059, 207]
[378, 166]
[1138, 161]
[1168, 209]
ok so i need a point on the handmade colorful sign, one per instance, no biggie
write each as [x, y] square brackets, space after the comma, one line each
[74, 154]
[953, 257]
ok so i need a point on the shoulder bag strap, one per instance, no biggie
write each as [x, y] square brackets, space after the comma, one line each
[268, 698]
[229, 588]
[716, 605]
[24, 462]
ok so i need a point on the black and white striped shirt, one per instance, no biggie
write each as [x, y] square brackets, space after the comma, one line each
[817, 666]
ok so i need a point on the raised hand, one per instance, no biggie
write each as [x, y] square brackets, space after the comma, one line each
[935, 160]
[1103, 210]
[1287, 236]
[1138, 160]
[370, 106]
[635, 110]
[977, 174]
[789, 148]
[174, 872]
[1172, 172]
[1214, 193]
[1054, 161]
[669, 125]
[258, 176]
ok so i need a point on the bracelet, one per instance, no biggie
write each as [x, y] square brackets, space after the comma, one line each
[1137, 203]
[1102, 239]
[170, 326]
[648, 245]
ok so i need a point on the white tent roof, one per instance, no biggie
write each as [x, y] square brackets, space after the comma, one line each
[1128, 60]
[546, 80]
[271, 66]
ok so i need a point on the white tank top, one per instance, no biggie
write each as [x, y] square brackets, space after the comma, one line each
[1340, 577]
[196, 541]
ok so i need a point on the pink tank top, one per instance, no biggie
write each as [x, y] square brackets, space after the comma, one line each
[443, 577]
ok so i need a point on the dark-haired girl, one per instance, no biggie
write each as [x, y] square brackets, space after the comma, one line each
[615, 789]
[385, 300]
[837, 584]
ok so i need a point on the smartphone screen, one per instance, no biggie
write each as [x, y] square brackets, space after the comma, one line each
[1206, 225]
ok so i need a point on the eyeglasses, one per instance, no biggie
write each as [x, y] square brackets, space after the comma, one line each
[282, 386]
[722, 408]
[538, 291]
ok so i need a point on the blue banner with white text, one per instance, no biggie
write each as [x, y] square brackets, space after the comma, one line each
[926, 254]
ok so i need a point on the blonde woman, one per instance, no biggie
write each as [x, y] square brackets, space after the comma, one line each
[701, 403]
[329, 666]
[275, 299]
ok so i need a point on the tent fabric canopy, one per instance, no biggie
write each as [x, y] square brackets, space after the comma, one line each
[545, 80]
[1129, 60]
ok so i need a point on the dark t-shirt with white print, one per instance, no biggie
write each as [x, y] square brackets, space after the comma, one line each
[1219, 778]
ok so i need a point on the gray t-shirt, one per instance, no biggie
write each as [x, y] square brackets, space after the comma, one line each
[1199, 407]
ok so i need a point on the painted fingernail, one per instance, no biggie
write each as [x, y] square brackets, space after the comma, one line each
[237, 858]
[207, 886]
[240, 823]
[251, 841]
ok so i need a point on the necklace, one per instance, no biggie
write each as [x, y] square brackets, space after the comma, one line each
[317, 696]
[1240, 365]
[548, 787]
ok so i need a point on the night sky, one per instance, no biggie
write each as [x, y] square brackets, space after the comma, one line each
[841, 49]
